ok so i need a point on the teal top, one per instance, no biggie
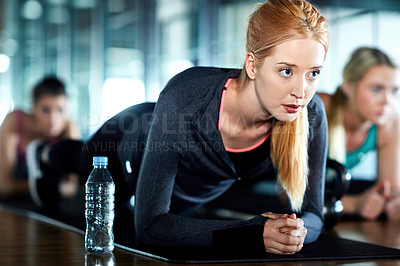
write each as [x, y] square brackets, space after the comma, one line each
[363, 162]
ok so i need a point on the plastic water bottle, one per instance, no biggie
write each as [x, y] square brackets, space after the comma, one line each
[100, 188]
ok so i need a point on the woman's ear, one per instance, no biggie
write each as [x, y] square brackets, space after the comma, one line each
[346, 87]
[250, 65]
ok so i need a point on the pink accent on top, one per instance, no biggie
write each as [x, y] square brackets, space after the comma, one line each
[223, 101]
[252, 147]
[228, 82]
[219, 125]
[21, 152]
[221, 107]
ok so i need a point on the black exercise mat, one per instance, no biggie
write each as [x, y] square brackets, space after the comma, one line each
[327, 247]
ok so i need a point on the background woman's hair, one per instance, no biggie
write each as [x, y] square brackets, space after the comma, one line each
[272, 23]
[48, 86]
[361, 60]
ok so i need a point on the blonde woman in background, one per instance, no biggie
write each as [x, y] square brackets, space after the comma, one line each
[364, 133]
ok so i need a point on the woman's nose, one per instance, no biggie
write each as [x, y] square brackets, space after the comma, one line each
[386, 98]
[299, 90]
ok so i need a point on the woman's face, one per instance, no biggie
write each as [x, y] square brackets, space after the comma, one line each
[377, 93]
[288, 77]
[50, 114]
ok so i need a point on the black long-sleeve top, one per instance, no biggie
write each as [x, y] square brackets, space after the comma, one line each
[185, 164]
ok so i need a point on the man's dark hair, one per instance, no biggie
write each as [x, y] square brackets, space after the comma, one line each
[48, 86]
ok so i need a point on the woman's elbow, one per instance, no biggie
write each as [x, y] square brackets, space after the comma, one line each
[313, 234]
[142, 233]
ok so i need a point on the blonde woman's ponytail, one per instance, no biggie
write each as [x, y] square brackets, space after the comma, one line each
[336, 131]
[289, 154]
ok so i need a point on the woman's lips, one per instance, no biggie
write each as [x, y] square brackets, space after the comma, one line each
[291, 108]
[381, 112]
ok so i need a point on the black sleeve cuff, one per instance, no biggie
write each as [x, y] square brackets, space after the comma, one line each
[248, 237]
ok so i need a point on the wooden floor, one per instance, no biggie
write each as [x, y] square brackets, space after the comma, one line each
[29, 239]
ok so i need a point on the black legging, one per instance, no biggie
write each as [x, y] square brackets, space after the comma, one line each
[121, 139]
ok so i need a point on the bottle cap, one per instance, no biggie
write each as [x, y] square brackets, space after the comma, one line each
[100, 160]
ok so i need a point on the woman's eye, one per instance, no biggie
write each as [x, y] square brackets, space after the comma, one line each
[286, 72]
[395, 91]
[314, 74]
[375, 89]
